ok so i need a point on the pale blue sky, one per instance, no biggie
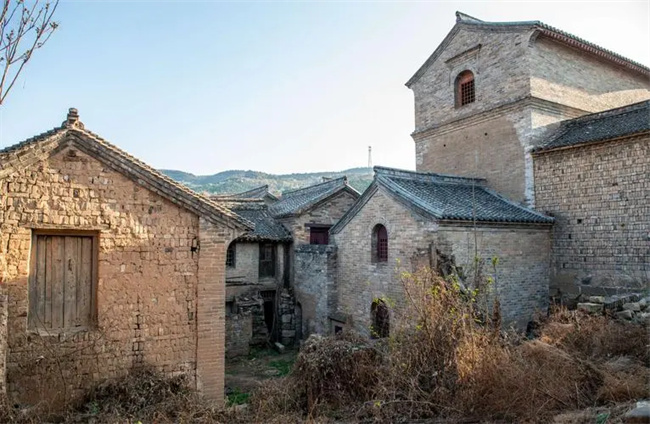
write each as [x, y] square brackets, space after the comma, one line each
[277, 87]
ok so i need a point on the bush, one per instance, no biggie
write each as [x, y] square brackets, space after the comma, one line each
[447, 358]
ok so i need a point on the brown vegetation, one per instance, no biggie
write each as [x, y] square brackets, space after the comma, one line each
[445, 359]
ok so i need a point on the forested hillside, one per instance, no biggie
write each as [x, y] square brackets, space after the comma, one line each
[237, 181]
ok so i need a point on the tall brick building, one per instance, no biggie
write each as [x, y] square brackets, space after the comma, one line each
[539, 116]
[493, 91]
[106, 265]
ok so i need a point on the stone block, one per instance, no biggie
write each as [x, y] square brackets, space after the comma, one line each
[627, 315]
[634, 307]
[596, 299]
[592, 308]
[279, 347]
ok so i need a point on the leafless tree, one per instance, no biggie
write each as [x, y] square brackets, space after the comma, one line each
[25, 26]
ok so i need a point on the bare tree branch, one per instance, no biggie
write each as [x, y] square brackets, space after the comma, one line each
[24, 28]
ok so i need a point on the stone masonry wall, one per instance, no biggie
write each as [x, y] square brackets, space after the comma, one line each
[315, 286]
[488, 148]
[3, 341]
[147, 277]
[598, 195]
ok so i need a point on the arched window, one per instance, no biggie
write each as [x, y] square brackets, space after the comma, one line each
[465, 92]
[379, 244]
[380, 320]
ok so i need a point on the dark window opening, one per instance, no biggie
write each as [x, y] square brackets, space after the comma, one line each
[319, 235]
[338, 329]
[380, 320]
[230, 256]
[379, 244]
[230, 308]
[267, 260]
[465, 90]
[269, 314]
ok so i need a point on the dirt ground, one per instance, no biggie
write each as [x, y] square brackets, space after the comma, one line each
[245, 373]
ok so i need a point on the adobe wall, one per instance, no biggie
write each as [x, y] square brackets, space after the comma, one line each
[327, 213]
[576, 79]
[148, 280]
[598, 195]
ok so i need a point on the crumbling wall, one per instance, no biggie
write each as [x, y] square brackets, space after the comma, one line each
[315, 286]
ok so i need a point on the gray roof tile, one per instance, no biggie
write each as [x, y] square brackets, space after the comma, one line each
[613, 123]
[297, 201]
[447, 197]
[256, 211]
[255, 193]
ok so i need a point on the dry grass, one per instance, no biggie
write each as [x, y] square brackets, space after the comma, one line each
[446, 359]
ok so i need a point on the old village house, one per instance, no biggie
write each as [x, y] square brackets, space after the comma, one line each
[106, 265]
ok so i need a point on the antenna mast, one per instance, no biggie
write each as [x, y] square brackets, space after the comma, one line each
[369, 156]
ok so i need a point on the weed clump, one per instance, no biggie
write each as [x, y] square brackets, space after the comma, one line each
[447, 357]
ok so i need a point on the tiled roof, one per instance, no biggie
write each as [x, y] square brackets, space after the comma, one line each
[256, 193]
[607, 125]
[73, 131]
[447, 197]
[256, 211]
[298, 201]
[546, 30]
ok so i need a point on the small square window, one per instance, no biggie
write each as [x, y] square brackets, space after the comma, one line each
[319, 235]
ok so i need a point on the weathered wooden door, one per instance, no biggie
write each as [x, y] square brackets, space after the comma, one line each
[61, 286]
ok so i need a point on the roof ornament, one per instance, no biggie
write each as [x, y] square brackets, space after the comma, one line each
[72, 120]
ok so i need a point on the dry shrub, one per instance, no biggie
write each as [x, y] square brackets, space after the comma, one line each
[596, 336]
[447, 358]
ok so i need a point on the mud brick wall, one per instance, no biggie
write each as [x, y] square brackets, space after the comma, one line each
[147, 284]
[598, 195]
[3, 341]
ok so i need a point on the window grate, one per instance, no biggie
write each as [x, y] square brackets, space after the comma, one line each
[467, 93]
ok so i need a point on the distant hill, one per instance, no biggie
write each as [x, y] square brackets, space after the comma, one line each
[235, 181]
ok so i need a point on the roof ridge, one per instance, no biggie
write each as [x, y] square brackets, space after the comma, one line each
[621, 110]
[301, 189]
[550, 28]
[33, 139]
[221, 209]
[441, 178]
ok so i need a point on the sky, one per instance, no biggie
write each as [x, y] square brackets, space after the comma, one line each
[277, 87]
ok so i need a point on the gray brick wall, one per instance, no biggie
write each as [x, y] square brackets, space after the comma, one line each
[599, 197]
[523, 252]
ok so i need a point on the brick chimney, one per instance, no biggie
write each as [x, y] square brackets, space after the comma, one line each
[72, 120]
